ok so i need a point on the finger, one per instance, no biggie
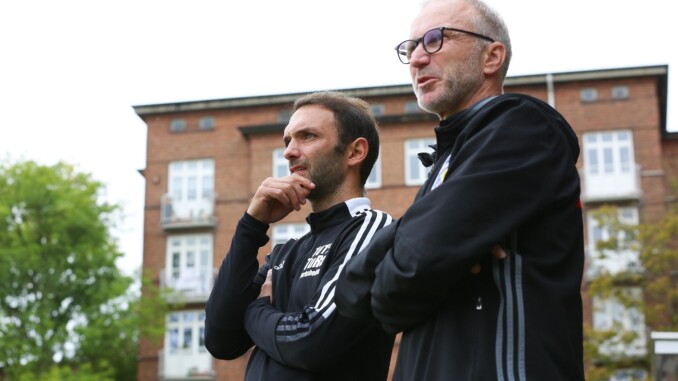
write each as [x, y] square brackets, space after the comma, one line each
[475, 269]
[498, 252]
[296, 189]
[304, 181]
[302, 186]
[280, 190]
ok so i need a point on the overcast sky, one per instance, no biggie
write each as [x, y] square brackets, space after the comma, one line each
[70, 71]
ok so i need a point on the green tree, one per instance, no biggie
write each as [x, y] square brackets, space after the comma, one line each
[63, 302]
[656, 275]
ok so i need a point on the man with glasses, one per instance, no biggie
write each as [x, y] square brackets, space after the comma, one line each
[504, 170]
[286, 309]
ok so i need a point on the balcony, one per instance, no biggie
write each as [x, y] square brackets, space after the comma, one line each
[187, 214]
[188, 287]
[185, 367]
[611, 187]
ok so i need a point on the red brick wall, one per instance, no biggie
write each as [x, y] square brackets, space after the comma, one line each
[242, 163]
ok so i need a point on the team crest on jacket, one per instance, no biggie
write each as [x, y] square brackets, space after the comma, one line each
[315, 261]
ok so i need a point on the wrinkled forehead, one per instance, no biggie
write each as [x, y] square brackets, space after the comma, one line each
[437, 13]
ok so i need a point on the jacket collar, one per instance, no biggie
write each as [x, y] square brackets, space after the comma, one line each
[337, 213]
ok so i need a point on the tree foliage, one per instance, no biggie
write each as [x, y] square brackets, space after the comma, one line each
[656, 274]
[64, 305]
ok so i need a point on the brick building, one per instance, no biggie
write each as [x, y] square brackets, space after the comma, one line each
[205, 160]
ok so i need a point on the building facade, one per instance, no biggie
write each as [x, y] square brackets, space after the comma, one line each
[205, 160]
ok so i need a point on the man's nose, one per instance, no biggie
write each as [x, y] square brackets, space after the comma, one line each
[419, 57]
[291, 151]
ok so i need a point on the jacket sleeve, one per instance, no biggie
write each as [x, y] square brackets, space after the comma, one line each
[507, 170]
[353, 295]
[236, 286]
[316, 337]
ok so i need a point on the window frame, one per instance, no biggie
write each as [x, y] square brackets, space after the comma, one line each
[410, 157]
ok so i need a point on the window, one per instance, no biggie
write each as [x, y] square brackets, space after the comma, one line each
[412, 107]
[631, 374]
[415, 172]
[189, 264]
[184, 352]
[610, 314]
[191, 188]
[284, 232]
[206, 123]
[609, 164]
[177, 125]
[374, 180]
[611, 262]
[185, 332]
[284, 116]
[620, 92]
[608, 152]
[377, 109]
[588, 95]
[280, 164]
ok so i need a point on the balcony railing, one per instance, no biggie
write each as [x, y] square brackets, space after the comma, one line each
[611, 187]
[183, 368]
[187, 214]
[188, 287]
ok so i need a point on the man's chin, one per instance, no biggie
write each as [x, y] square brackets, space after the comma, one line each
[427, 99]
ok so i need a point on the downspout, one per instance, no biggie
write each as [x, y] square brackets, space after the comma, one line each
[550, 93]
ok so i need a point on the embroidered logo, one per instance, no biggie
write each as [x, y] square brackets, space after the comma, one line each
[441, 174]
[280, 266]
[315, 261]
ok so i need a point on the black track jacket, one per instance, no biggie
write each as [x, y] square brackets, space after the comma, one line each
[508, 176]
[301, 336]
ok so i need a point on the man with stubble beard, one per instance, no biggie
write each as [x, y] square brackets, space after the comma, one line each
[285, 308]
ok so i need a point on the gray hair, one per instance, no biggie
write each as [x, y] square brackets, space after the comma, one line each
[487, 21]
[490, 23]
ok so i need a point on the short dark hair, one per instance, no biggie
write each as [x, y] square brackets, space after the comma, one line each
[354, 119]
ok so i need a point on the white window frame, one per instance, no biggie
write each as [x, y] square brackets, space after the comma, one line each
[611, 314]
[608, 152]
[281, 167]
[589, 94]
[415, 172]
[191, 187]
[178, 125]
[180, 323]
[620, 92]
[189, 262]
[206, 123]
[622, 260]
[610, 171]
[284, 232]
[184, 353]
[374, 180]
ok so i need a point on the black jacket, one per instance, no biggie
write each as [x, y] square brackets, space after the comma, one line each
[511, 180]
[300, 336]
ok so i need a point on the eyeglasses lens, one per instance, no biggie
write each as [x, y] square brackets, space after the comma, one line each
[405, 50]
[432, 40]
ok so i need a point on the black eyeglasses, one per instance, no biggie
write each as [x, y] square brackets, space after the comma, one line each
[432, 42]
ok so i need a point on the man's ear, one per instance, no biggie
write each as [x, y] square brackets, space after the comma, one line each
[356, 152]
[494, 57]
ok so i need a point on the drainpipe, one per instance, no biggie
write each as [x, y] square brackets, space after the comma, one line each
[551, 95]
